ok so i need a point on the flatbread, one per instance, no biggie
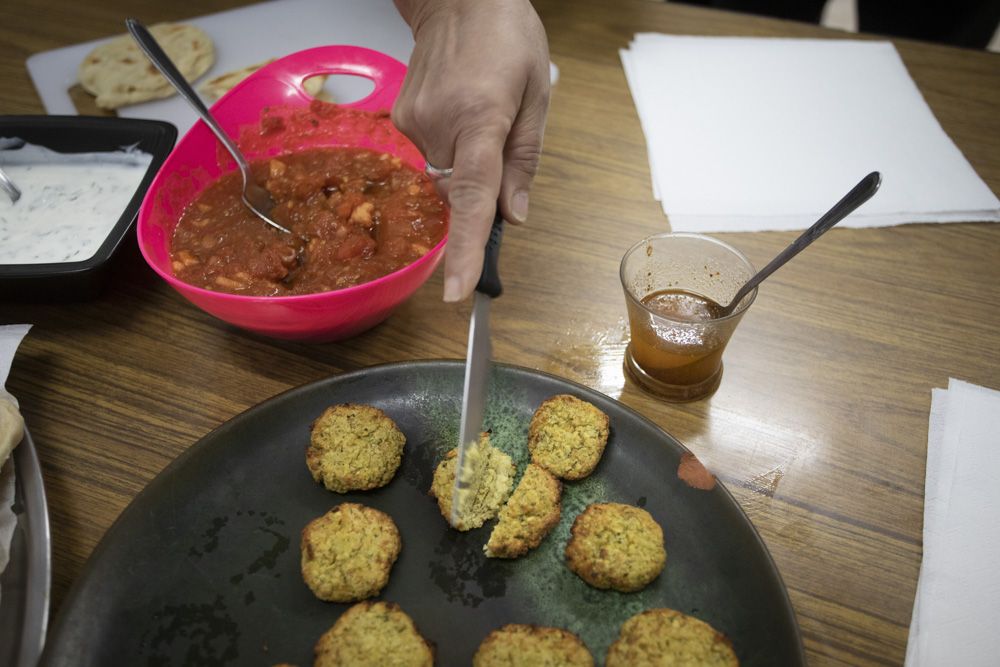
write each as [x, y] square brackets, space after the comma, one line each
[118, 73]
[11, 428]
[214, 89]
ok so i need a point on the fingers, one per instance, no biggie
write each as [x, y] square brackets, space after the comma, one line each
[493, 161]
[469, 137]
[429, 108]
[472, 193]
[522, 152]
[474, 99]
[521, 156]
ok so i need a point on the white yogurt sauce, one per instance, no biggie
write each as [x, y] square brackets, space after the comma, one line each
[69, 202]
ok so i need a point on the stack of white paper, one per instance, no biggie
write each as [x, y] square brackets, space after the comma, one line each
[748, 134]
[958, 593]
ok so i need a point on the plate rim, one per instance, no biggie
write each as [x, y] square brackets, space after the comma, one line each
[34, 521]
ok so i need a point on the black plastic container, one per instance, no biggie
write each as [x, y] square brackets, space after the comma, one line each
[83, 134]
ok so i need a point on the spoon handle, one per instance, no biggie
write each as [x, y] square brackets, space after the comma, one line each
[858, 195]
[8, 186]
[162, 61]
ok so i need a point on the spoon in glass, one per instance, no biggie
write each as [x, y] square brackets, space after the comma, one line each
[858, 195]
[256, 198]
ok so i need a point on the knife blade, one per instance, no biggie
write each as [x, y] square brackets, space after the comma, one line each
[477, 374]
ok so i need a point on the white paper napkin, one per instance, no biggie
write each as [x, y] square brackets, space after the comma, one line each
[749, 134]
[958, 592]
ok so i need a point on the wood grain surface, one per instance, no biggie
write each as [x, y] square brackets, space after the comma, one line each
[819, 428]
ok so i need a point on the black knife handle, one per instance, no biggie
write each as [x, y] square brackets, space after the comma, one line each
[489, 281]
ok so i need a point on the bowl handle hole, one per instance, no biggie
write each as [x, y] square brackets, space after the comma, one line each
[339, 88]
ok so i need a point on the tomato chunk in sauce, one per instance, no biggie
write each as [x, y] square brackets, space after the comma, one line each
[355, 214]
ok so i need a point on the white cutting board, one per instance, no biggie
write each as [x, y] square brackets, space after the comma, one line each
[243, 37]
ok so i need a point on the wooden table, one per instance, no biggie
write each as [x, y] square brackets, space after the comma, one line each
[819, 428]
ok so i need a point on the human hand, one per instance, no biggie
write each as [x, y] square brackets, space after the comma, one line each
[474, 99]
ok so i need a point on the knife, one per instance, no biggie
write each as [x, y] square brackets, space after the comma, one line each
[477, 371]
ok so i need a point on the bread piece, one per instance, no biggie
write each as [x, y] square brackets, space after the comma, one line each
[531, 513]
[658, 637]
[490, 489]
[354, 448]
[567, 436]
[118, 73]
[616, 546]
[532, 646]
[11, 428]
[373, 634]
[216, 87]
[348, 552]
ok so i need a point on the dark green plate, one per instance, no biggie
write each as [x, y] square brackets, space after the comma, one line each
[203, 567]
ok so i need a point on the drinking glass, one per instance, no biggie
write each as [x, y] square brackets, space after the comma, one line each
[672, 354]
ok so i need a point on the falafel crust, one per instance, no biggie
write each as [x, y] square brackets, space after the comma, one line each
[616, 546]
[532, 646]
[664, 637]
[567, 436]
[348, 552]
[373, 634]
[531, 513]
[354, 448]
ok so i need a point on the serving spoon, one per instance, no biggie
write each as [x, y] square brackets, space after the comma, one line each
[256, 198]
[858, 195]
[8, 186]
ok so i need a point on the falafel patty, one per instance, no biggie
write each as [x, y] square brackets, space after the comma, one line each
[532, 646]
[354, 448]
[664, 637]
[616, 546]
[567, 436]
[373, 634]
[348, 552]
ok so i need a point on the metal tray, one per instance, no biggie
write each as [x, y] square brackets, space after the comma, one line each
[25, 584]
[71, 281]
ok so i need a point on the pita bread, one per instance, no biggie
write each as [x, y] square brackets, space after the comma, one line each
[214, 89]
[118, 73]
[11, 428]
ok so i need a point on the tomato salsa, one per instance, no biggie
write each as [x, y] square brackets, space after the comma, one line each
[355, 214]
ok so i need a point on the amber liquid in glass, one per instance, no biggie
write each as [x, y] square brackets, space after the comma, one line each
[682, 354]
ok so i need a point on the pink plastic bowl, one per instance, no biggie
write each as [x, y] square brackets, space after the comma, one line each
[271, 114]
